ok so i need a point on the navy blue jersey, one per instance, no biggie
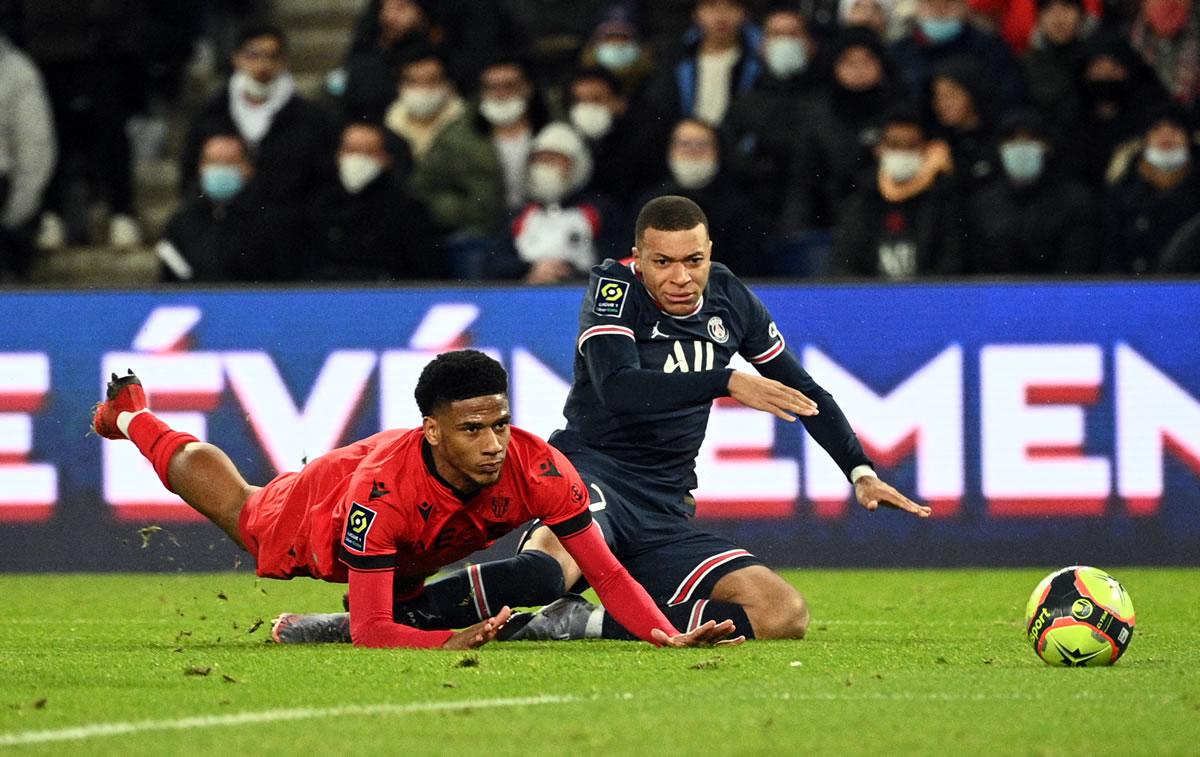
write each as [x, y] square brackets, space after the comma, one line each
[644, 380]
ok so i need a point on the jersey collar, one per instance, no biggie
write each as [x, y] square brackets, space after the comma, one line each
[633, 266]
[431, 467]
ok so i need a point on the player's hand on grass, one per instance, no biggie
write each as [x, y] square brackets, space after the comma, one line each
[871, 493]
[480, 633]
[770, 396]
[709, 634]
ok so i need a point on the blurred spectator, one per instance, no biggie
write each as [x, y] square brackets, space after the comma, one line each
[1031, 219]
[400, 31]
[761, 125]
[91, 55]
[1157, 194]
[474, 29]
[719, 62]
[27, 155]
[839, 132]
[1016, 20]
[627, 156]
[696, 172]
[227, 232]
[875, 15]
[368, 227]
[908, 223]
[1053, 60]
[427, 103]
[942, 32]
[964, 120]
[565, 229]
[615, 45]
[1182, 254]
[1167, 34]
[510, 111]
[289, 138]
[1118, 87]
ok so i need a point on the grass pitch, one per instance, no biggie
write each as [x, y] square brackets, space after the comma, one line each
[897, 662]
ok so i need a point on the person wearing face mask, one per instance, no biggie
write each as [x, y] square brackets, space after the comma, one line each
[908, 223]
[695, 171]
[509, 113]
[565, 228]
[289, 137]
[1055, 52]
[1157, 194]
[834, 153]
[761, 125]
[1167, 34]
[225, 232]
[390, 33]
[626, 155]
[942, 31]
[1031, 218]
[1117, 88]
[367, 227]
[615, 46]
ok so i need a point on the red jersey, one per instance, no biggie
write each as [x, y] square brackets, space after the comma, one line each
[379, 504]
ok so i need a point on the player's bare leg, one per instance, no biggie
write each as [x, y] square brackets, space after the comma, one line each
[200, 473]
[775, 609]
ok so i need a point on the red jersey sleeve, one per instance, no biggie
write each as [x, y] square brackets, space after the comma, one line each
[371, 623]
[559, 494]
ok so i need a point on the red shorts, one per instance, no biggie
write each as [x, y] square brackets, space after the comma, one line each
[270, 531]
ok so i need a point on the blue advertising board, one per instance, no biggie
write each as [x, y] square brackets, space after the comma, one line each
[1046, 423]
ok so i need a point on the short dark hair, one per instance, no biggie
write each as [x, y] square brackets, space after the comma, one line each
[262, 30]
[668, 213]
[458, 375]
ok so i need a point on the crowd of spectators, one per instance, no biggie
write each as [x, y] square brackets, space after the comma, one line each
[516, 139]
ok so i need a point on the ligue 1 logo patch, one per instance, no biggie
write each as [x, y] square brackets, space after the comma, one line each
[358, 525]
[717, 330]
[610, 297]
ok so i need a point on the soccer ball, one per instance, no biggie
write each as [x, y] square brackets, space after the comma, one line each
[1079, 616]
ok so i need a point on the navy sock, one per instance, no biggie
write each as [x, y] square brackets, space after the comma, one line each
[479, 591]
[687, 616]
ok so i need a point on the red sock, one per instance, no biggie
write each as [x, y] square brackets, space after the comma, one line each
[158, 442]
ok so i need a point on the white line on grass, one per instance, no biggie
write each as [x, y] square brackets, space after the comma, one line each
[95, 730]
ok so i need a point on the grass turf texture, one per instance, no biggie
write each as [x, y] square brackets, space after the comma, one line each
[896, 662]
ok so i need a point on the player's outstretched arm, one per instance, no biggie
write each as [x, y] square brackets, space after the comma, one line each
[771, 396]
[371, 622]
[480, 633]
[872, 492]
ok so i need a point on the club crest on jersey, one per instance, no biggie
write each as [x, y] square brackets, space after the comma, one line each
[358, 525]
[610, 297]
[499, 506]
[717, 330]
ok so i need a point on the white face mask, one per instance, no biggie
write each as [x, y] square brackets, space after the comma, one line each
[251, 87]
[357, 171]
[1171, 159]
[900, 165]
[423, 102]
[547, 183]
[592, 119]
[785, 56]
[502, 112]
[692, 174]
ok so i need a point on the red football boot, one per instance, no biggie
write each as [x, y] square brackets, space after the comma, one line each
[125, 394]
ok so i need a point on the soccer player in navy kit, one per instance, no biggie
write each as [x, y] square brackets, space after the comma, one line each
[656, 336]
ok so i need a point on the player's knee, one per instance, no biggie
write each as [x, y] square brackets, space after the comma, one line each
[784, 616]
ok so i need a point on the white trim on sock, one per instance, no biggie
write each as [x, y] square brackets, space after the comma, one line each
[124, 418]
[595, 624]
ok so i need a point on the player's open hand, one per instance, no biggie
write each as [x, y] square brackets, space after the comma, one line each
[480, 633]
[872, 492]
[709, 634]
[770, 396]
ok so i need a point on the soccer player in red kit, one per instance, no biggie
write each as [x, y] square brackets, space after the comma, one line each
[386, 512]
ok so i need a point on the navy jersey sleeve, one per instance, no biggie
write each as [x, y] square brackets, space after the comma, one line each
[764, 346]
[608, 345]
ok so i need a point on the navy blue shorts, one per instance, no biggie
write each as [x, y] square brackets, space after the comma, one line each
[675, 561]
